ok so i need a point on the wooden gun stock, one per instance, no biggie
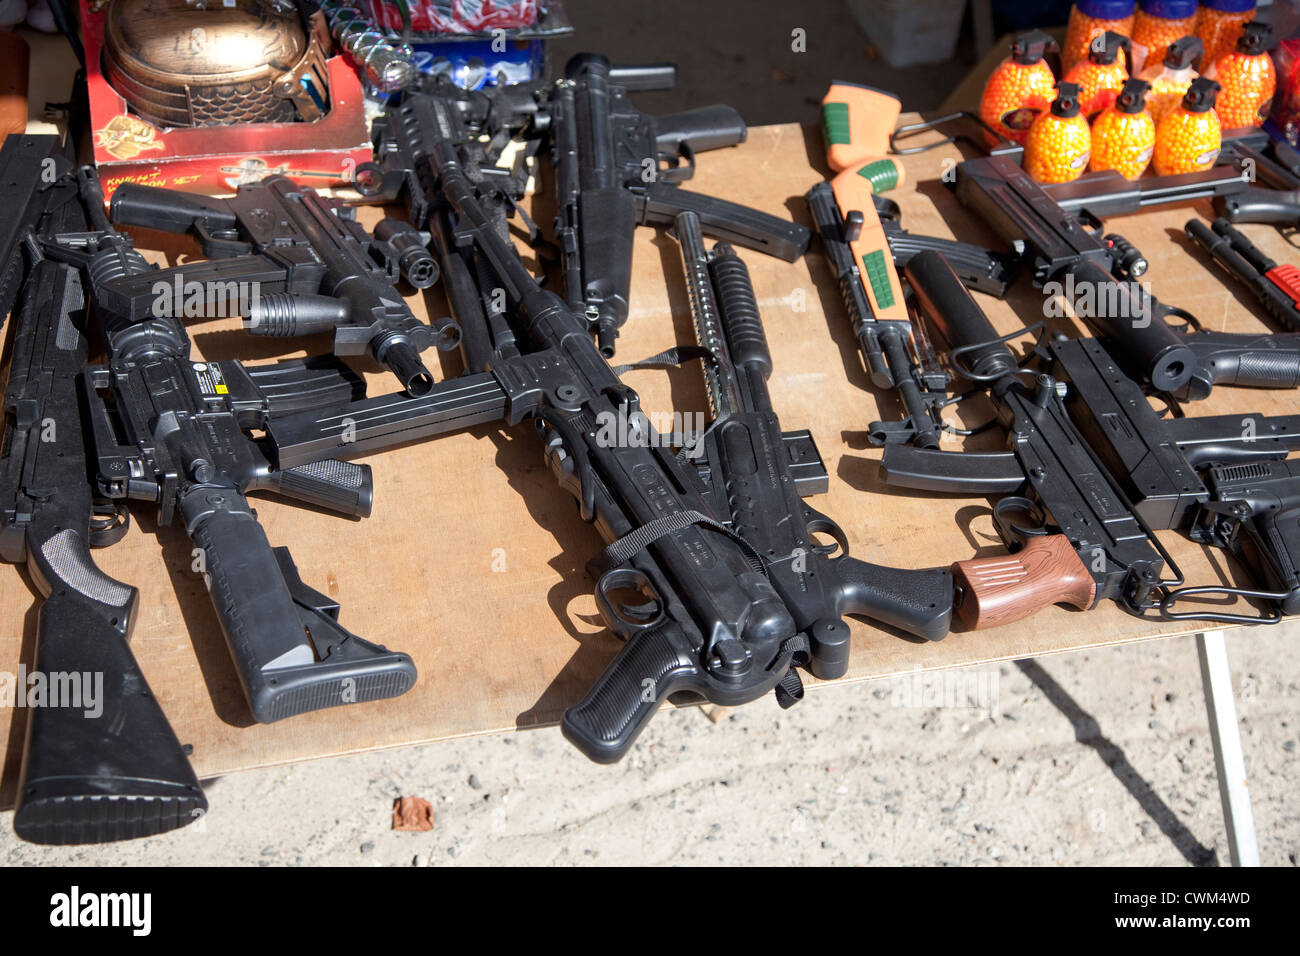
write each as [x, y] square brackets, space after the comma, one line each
[1000, 590]
[857, 122]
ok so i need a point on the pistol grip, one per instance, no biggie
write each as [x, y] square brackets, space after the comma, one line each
[651, 665]
[292, 657]
[339, 486]
[1046, 571]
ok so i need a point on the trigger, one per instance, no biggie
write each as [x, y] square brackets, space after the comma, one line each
[109, 521]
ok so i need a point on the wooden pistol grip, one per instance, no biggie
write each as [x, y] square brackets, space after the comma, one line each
[1000, 590]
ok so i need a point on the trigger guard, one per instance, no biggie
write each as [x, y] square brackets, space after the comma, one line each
[681, 165]
[372, 172]
[1014, 533]
[613, 614]
[109, 522]
[820, 524]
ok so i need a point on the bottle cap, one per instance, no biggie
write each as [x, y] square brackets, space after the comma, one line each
[1029, 48]
[1104, 48]
[1183, 52]
[1168, 9]
[1133, 97]
[1256, 38]
[1106, 9]
[1229, 6]
[1200, 96]
[1066, 104]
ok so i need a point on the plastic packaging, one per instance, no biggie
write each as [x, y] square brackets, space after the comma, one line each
[1286, 101]
[1059, 142]
[1220, 24]
[1159, 23]
[1124, 135]
[1090, 19]
[1170, 80]
[1020, 88]
[1247, 78]
[1102, 75]
[1189, 137]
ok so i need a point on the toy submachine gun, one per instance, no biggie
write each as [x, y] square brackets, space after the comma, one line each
[616, 167]
[711, 618]
[314, 269]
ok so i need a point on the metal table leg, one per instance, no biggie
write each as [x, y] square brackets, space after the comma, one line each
[1243, 850]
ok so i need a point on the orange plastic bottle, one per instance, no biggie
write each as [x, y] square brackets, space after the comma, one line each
[1170, 80]
[1020, 88]
[1124, 135]
[1102, 75]
[1058, 144]
[1159, 23]
[1089, 19]
[1220, 25]
[1189, 137]
[1248, 79]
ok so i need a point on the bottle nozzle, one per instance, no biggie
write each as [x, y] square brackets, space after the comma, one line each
[1030, 47]
[1256, 38]
[1104, 48]
[1200, 95]
[1183, 52]
[1133, 97]
[1066, 103]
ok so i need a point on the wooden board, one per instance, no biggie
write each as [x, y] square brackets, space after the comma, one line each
[473, 561]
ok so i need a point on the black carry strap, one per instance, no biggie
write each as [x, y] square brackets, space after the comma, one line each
[670, 358]
[789, 691]
[619, 552]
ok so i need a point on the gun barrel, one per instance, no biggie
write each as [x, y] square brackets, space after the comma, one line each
[941, 297]
[720, 384]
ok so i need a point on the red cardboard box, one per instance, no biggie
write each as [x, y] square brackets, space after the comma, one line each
[216, 159]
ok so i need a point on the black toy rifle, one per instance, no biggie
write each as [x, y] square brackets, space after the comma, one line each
[112, 768]
[173, 432]
[616, 167]
[710, 619]
[301, 261]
